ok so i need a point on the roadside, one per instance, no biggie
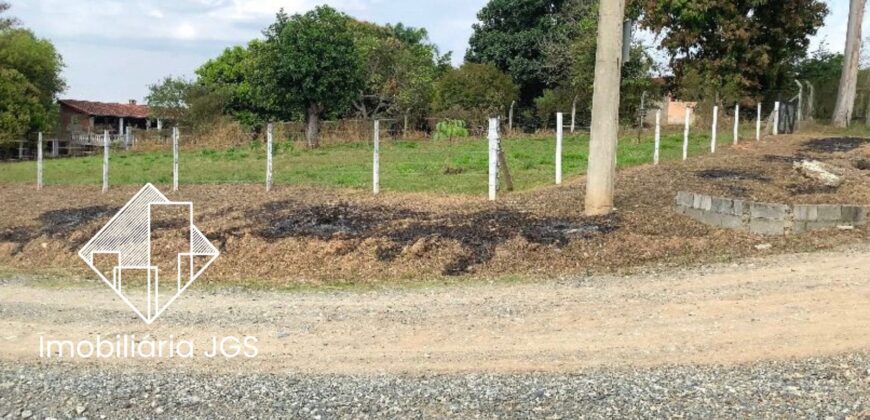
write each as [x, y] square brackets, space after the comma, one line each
[779, 336]
[792, 306]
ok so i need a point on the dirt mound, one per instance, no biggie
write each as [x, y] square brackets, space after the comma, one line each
[61, 223]
[834, 144]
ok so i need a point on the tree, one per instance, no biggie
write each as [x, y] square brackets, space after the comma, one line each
[308, 63]
[736, 48]
[849, 78]
[229, 76]
[400, 66]
[510, 36]
[475, 90]
[167, 99]
[822, 70]
[604, 133]
[6, 22]
[30, 80]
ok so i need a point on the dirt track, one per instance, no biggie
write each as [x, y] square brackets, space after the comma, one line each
[792, 306]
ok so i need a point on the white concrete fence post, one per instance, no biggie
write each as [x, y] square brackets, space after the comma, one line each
[175, 138]
[269, 157]
[715, 128]
[559, 135]
[493, 157]
[736, 124]
[686, 134]
[127, 138]
[658, 137]
[758, 124]
[106, 161]
[376, 159]
[776, 118]
[39, 162]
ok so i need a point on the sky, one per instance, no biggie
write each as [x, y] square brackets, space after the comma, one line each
[114, 49]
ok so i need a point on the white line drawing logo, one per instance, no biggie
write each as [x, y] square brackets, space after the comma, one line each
[127, 241]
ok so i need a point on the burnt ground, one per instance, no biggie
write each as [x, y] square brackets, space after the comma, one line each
[302, 234]
[834, 144]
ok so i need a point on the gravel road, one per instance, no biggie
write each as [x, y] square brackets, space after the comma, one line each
[782, 337]
[834, 387]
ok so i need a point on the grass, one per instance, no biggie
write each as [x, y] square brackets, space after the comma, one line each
[459, 166]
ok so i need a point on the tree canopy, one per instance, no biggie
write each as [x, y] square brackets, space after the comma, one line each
[479, 89]
[30, 80]
[735, 48]
[308, 63]
[511, 35]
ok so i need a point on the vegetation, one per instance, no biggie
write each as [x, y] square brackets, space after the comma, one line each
[451, 167]
[450, 129]
[30, 81]
[474, 92]
[733, 49]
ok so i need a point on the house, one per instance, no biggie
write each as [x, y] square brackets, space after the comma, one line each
[78, 117]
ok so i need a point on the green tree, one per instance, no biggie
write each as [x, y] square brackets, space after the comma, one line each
[229, 76]
[511, 34]
[167, 99]
[400, 65]
[308, 63]
[735, 48]
[474, 91]
[30, 80]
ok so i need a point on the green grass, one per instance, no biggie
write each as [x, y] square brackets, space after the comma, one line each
[449, 167]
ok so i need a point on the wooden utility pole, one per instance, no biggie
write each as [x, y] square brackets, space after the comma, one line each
[849, 78]
[601, 172]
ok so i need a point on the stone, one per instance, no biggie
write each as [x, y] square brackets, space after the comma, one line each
[828, 212]
[854, 214]
[722, 205]
[763, 247]
[685, 199]
[805, 212]
[768, 211]
[818, 171]
[767, 227]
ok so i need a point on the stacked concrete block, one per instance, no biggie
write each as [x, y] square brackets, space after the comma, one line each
[767, 218]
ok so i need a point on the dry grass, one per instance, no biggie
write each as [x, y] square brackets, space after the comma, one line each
[326, 235]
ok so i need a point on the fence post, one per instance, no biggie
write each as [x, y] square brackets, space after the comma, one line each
[758, 124]
[175, 137]
[269, 157]
[127, 138]
[686, 134]
[736, 124]
[559, 135]
[776, 118]
[105, 161]
[658, 138]
[39, 162]
[493, 157]
[715, 128]
[511, 118]
[573, 114]
[376, 159]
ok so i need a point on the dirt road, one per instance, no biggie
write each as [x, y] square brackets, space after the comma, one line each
[792, 306]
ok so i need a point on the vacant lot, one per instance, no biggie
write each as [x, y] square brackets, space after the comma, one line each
[307, 234]
[458, 166]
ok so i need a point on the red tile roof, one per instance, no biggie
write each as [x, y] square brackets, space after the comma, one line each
[102, 109]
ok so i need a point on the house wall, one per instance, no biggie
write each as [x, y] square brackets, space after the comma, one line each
[72, 120]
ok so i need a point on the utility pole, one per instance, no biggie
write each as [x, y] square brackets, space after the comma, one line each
[849, 78]
[601, 172]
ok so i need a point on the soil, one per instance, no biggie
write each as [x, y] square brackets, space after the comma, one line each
[314, 235]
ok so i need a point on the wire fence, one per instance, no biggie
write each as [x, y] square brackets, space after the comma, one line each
[395, 155]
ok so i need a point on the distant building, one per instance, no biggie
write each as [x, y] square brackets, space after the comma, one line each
[77, 117]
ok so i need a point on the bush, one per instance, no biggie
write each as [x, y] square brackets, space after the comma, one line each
[449, 129]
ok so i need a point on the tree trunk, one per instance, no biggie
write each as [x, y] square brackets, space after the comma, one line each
[312, 133]
[849, 79]
[605, 109]
[811, 101]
